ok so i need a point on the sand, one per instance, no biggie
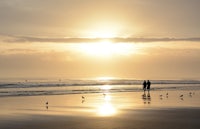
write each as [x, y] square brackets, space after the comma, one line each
[131, 110]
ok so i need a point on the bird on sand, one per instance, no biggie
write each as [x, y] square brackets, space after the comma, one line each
[161, 97]
[47, 107]
[83, 97]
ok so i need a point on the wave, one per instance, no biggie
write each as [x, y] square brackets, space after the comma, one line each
[31, 88]
[28, 84]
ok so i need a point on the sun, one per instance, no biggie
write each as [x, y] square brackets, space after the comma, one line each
[104, 32]
[106, 48]
[103, 48]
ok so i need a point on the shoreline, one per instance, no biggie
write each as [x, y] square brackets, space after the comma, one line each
[95, 92]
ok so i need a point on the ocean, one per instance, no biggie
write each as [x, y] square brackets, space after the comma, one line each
[36, 87]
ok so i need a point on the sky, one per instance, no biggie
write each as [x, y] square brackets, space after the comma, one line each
[133, 39]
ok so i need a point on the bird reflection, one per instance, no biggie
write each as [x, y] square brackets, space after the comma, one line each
[106, 109]
[83, 101]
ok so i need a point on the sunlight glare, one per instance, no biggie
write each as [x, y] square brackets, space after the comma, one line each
[106, 110]
[107, 98]
[106, 48]
[106, 87]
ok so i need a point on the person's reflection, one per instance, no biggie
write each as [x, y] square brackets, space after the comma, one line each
[149, 98]
[146, 98]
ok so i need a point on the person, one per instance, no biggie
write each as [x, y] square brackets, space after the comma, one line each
[148, 85]
[144, 85]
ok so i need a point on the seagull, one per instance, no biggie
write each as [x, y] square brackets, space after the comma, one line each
[47, 105]
[190, 94]
[83, 97]
[161, 97]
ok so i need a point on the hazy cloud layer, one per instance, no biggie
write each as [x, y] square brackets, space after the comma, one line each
[92, 40]
[162, 64]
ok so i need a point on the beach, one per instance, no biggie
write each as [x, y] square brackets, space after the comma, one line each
[126, 110]
[99, 64]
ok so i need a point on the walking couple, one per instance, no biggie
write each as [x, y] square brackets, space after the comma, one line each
[146, 85]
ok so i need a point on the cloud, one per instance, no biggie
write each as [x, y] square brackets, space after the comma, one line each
[23, 39]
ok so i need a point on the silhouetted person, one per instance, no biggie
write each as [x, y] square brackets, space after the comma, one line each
[144, 85]
[148, 85]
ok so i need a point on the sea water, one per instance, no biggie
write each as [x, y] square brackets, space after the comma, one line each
[19, 87]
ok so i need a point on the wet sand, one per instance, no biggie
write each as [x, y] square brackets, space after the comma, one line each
[131, 110]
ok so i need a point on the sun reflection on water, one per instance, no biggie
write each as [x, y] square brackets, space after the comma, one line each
[106, 109]
[106, 87]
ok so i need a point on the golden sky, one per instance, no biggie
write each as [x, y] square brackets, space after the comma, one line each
[154, 39]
